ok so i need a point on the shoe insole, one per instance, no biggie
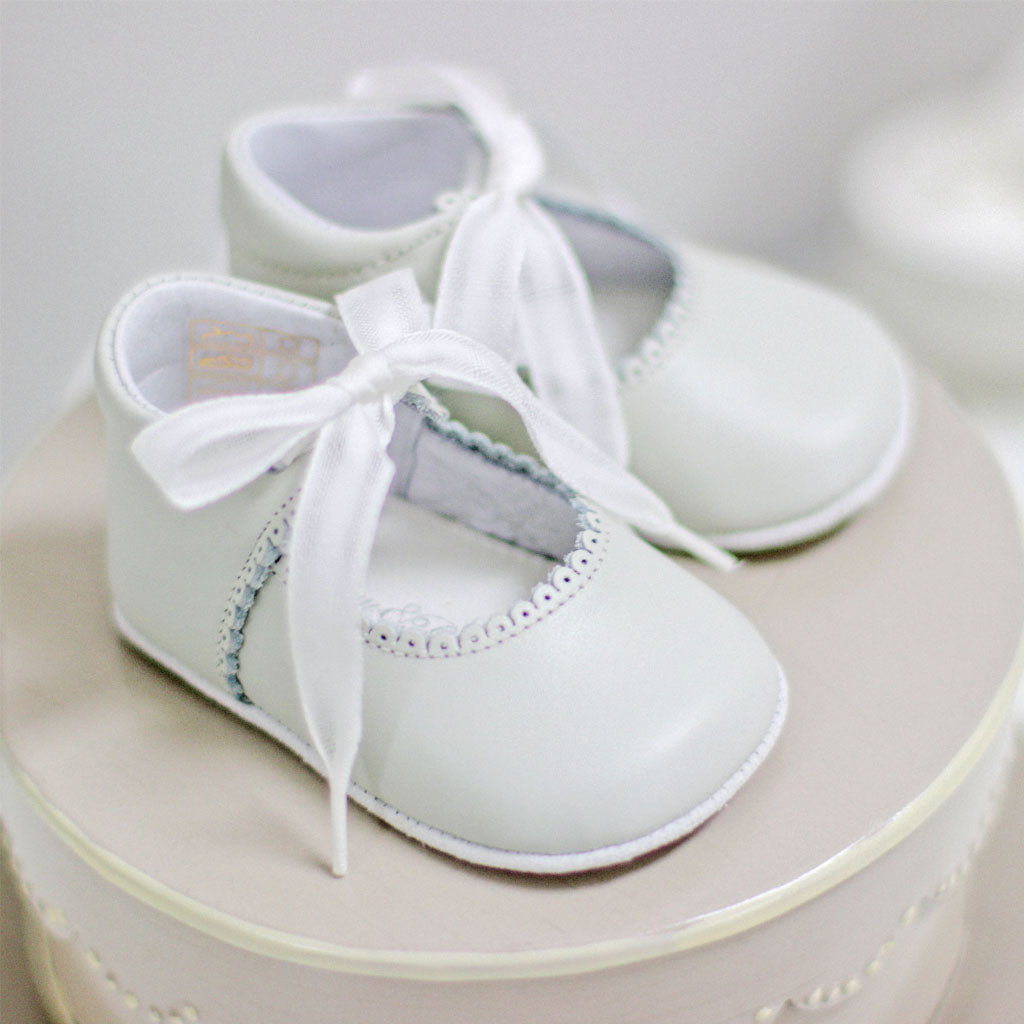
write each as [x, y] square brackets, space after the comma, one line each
[428, 571]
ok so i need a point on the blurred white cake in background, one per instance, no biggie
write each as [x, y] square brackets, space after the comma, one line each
[934, 199]
[933, 241]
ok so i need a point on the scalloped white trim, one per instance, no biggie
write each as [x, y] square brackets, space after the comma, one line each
[258, 566]
[663, 340]
[52, 921]
[549, 594]
[560, 585]
[665, 335]
[445, 641]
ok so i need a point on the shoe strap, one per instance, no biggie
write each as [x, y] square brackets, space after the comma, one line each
[208, 450]
[510, 278]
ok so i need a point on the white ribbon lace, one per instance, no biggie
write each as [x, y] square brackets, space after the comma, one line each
[208, 450]
[510, 278]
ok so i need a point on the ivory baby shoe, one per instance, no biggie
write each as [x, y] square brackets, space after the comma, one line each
[448, 631]
[764, 410]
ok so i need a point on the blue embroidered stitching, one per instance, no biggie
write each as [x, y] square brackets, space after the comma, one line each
[266, 553]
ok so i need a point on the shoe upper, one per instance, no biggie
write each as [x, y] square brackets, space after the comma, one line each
[763, 409]
[538, 688]
[780, 389]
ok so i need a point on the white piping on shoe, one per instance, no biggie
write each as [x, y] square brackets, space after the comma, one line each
[205, 451]
[510, 277]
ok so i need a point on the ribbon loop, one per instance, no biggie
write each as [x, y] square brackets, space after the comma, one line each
[510, 278]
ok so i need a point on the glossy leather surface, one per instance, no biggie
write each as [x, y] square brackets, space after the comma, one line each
[778, 398]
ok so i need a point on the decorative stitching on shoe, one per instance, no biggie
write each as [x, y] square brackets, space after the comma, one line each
[266, 553]
[563, 582]
[665, 337]
[352, 274]
[416, 639]
[437, 419]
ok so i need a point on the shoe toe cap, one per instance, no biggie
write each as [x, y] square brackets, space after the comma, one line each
[784, 406]
[617, 723]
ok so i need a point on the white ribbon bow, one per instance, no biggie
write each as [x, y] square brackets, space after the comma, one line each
[510, 278]
[206, 451]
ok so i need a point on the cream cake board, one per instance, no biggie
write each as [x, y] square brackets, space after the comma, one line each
[988, 986]
[900, 636]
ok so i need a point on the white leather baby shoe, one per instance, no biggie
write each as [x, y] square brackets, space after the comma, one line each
[444, 629]
[763, 409]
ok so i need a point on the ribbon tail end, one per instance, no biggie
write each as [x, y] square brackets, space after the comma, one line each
[339, 830]
[714, 556]
[681, 539]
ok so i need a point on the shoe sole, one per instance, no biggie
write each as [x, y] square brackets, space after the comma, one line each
[845, 507]
[463, 849]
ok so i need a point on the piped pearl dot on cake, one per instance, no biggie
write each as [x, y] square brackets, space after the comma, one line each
[55, 916]
[55, 921]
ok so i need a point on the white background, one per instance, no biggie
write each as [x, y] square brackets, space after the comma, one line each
[724, 121]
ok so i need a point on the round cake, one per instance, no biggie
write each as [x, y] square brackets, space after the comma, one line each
[169, 856]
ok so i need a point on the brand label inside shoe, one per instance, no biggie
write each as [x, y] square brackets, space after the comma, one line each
[232, 359]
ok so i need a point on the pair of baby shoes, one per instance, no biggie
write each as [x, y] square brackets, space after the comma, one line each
[474, 644]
